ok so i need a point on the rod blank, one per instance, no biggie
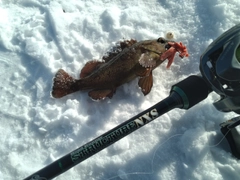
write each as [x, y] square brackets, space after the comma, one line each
[184, 94]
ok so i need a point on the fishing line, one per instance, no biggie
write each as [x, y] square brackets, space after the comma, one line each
[124, 175]
[211, 146]
[152, 161]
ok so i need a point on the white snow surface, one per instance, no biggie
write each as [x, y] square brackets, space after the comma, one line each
[37, 38]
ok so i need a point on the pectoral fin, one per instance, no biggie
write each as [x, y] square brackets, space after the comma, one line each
[147, 60]
[142, 72]
[101, 94]
[90, 67]
[146, 83]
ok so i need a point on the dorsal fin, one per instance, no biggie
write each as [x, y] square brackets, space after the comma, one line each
[118, 49]
[90, 67]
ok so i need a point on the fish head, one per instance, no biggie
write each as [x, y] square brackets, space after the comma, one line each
[160, 50]
[162, 45]
[158, 46]
[152, 51]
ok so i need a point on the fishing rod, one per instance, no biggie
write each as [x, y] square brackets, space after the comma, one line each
[220, 70]
[184, 94]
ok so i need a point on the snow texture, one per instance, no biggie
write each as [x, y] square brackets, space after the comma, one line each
[37, 37]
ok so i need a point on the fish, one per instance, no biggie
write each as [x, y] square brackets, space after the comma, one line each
[125, 62]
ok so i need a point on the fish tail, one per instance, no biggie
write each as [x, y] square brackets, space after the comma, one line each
[63, 84]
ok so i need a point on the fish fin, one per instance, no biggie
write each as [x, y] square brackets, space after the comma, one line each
[143, 72]
[63, 84]
[101, 94]
[146, 83]
[90, 67]
[127, 43]
[118, 49]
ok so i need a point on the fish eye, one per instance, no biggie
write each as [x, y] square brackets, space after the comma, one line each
[161, 40]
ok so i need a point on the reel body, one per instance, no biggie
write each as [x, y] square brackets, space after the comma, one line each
[220, 67]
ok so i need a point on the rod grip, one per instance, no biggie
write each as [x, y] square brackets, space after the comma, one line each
[193, 90]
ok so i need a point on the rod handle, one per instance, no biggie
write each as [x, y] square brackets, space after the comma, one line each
[193, 90]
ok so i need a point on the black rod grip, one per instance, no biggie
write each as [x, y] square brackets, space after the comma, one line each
[193, 90]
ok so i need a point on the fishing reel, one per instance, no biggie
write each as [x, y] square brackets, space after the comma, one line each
[220, 67]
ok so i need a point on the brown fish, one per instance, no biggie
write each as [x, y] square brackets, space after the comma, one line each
[124, 63]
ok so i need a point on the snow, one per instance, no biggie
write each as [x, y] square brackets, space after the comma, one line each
[37, 38]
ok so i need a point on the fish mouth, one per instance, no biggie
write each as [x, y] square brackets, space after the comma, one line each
[168, 46]
[164, 41]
